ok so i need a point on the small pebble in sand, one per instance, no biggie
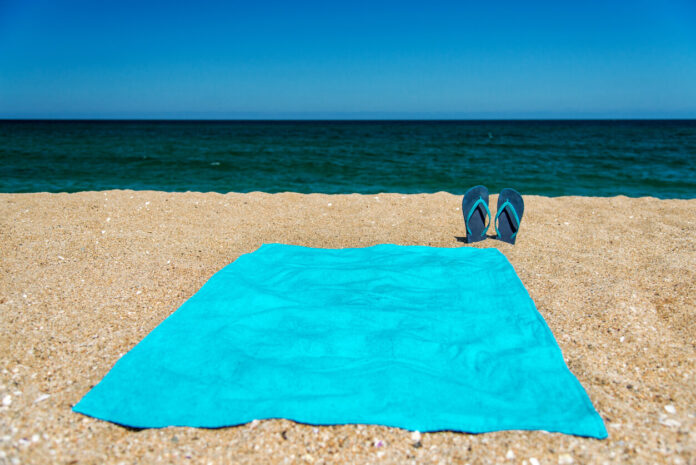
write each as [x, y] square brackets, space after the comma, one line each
[35, 438]
[41, 398]
[416, 438]
[108, 219]
[329, 204]
[7, 400]
[60, 258]
[510, 454]
[671, 423]
[533, 461]
[670, 409]
[378, 443]
[565, 459]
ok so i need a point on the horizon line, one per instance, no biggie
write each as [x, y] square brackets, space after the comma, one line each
[108, 119]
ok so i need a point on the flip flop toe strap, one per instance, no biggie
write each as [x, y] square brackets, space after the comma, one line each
[480, 201]
[511, 209]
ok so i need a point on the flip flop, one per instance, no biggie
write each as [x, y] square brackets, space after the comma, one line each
[475, 210]
[509, 215]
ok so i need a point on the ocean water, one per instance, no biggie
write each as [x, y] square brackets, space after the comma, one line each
[591, 158]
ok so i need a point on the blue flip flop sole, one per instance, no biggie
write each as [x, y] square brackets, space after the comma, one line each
[476, 212]
[508, 215]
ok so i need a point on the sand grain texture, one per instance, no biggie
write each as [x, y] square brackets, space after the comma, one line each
[84, 277]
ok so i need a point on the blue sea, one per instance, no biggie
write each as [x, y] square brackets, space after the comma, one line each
[552, 158]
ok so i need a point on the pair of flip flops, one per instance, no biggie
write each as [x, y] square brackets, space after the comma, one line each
[507, 218]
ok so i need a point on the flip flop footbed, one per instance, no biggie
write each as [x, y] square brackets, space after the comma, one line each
[509, 215]
[476, 213]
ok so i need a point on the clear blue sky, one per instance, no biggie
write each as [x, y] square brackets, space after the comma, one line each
[347, 59]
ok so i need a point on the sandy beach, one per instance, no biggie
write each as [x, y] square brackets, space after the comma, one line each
[84, 277]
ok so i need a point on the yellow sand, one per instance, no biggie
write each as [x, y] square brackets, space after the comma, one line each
[84, 277]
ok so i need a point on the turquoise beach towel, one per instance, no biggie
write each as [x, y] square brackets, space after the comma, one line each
[414, 337]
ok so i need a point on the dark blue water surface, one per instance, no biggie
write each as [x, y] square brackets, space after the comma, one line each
[595, 158]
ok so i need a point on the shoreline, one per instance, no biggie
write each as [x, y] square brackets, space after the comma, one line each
[85, 276]
[234, 193]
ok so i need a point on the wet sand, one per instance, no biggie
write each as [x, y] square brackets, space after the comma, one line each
[84, 277]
